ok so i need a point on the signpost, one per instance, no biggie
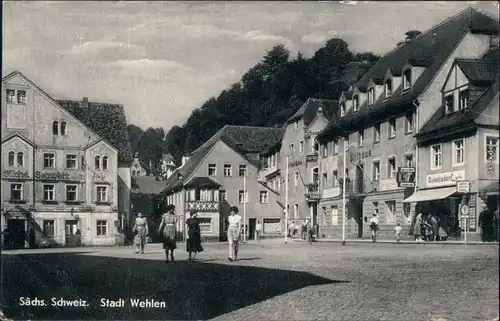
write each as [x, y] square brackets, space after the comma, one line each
[464, 215]
[463, 187]
[406, 176]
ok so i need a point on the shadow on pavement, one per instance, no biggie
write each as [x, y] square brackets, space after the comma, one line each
[191, 291]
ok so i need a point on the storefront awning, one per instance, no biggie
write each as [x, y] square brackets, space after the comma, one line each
[431, 194]
[491, 189]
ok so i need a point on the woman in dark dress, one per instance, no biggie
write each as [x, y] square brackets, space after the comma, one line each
[168, 231]
[193, 242]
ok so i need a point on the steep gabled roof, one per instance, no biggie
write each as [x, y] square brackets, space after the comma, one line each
[445, 124]
[309, 109]
[430, 49]
[478, 71]
[245, 140]
[107, 120]
[22, 137]
[148, 185]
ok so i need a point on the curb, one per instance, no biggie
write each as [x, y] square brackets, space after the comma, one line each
[401, 242]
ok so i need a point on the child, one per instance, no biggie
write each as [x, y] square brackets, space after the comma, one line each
[398, 230]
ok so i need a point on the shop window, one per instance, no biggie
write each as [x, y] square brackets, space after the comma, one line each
[101, 227]
[48, 228]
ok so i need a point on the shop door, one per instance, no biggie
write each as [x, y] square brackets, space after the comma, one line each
[251, 228]
[358, 215]
[70, 227]
[18, 232]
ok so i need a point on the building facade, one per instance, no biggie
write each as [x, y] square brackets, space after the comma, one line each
[378, 119]
[460, 143]
[59, 178]
[213, 178]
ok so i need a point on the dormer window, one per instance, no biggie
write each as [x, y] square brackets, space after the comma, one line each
[448, 103]
[388, 88]
[355, 103]
[371, 96]
[342, 110]
[463, 98]
[407, 79]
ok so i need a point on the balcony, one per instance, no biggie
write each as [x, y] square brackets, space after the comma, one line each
[353, 187]
[312, 192]
[312, 157]
[203, 206]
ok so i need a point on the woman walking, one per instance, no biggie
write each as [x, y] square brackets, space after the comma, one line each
[168, 231]
[417, 229]
[141, 228]
[193, 242]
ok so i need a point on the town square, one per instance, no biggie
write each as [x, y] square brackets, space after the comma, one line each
[198, 160]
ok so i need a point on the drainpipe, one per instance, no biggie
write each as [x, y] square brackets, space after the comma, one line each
[416, 104]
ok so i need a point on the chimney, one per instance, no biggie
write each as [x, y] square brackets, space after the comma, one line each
[320, 110]
[85, 102]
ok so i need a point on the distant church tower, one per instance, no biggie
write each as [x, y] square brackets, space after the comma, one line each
[136, 168]
[167, 165]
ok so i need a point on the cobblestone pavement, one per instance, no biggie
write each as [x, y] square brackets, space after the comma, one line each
[377, 281]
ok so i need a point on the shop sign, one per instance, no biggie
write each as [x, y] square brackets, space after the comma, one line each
[15, 174]
[463, 187]
[52, 176]
[445, 179]
[406, 177]
[296, 163]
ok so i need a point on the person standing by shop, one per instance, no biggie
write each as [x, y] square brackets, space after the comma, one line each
[374, 227]
[233, 233]
[193, 242]
[417, 228]
[495, 223]
[435, 228]
[258, 231]
[141, 230]
[485, 222]
[168, 231]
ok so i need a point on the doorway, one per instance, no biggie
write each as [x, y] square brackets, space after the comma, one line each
[70, 232]
[18, 232]
[358, 216]
[252, 223]
[359, 179]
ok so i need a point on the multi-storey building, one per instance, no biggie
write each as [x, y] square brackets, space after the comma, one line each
[378, 119]
[300, 146]
[459, 143]
[213, 178]
[59, 177]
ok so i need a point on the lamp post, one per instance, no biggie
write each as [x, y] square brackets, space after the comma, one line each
[245, 198]
[343, 192]
[286, 201]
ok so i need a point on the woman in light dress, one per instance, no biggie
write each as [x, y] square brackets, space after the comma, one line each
[168, 232]
[141, 230]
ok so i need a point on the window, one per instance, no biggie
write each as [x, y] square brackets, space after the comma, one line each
[342, 110]
[409, 123]
[491, 149]
[16, 192]
[242, 196]
[390, 213]
[392, 128]
[296, 179]
[371, 96]
[20, 159]
[10, 94]
[63, 128]
[55, 128]
[315, 147]
[391, 167]
[355, 103]
[222, 195]
[48, 160]
[271, 225]
[48, 192]
[228, 170]
[361, 138]
[448, 103]
[301, 147]
[463, 98]
[101, 227]
[376, 171]
[296, 124]
[242, 170]
[205, 224]
[325, 150]
[102, 194]
[335, 178]
[264, 197]
[407, 212]
[409, 160]
[325, 179]
[458, 152]
[335, 146]
[212, 169]
[295, 211]
[105, 163]
[12, 158]
[315, 175]
[71, 193]
[335, 215]
[388, 88]
[71, 161]
[436, 159]
[376, 133]
[21, 97]
[407, 79]
[97, 162]
[48, 227]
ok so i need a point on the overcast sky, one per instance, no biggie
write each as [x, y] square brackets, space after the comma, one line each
[163, 59]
